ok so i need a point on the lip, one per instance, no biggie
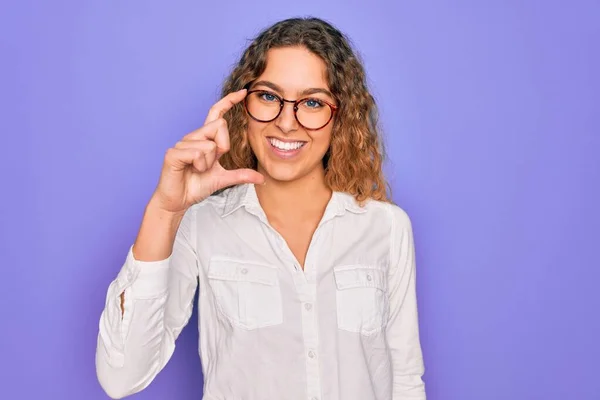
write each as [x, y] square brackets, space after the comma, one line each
[286, 140]
[284, 154]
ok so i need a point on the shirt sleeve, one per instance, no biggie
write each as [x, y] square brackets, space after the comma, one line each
[133, 347]
[402, 330]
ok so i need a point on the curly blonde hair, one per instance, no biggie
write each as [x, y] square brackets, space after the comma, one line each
[353, 163]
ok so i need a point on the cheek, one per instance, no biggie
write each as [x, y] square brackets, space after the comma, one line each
[254, 133]
[322, 140]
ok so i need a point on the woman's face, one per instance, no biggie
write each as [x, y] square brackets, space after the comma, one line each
[287, 151]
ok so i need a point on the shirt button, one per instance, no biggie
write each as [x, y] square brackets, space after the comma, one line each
[308, 306]
[369, 277]
[312, 354]
[244, 271]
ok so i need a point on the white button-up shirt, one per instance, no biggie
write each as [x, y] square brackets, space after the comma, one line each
[344, 328]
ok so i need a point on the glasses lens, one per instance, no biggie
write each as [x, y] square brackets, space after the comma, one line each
[313, 113]
[263, 106]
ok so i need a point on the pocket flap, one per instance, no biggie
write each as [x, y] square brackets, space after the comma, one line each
[348, 277]
[242, 271]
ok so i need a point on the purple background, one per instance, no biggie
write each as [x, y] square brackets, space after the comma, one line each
[491, 111]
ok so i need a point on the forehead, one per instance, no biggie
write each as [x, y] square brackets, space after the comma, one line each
[295, 69]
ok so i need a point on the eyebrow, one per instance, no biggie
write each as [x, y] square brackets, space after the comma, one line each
[305, 92]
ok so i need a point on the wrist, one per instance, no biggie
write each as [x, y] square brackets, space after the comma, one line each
[155, 207]
[157, 233]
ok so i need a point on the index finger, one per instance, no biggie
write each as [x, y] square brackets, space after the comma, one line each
[222, 106]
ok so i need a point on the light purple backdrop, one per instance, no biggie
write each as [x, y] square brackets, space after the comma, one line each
[491, 111]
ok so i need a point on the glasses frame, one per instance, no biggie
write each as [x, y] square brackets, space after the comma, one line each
[282, 102]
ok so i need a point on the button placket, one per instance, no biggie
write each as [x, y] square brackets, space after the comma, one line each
[311, 338]
[308, 290]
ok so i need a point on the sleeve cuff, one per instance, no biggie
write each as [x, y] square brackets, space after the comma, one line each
[144, 279]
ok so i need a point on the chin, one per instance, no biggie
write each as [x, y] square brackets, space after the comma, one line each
[282, 173]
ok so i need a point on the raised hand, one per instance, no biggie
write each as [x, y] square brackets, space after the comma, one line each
[191, 170]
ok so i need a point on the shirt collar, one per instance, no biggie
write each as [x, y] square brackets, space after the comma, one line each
[244, 195]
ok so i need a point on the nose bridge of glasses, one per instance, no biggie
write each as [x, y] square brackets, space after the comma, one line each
[293, 102]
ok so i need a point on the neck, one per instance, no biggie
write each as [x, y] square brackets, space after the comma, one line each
[294, 198]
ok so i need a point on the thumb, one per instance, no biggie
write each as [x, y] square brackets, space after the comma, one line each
[238, 176]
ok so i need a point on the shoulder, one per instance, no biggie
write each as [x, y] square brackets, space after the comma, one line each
[207, 212]
[391, 223]
[396, 216]
[215, 204]
[380, 221]
[398, 233]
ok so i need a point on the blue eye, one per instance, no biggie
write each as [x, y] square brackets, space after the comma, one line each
[312, 103]
[268, 97]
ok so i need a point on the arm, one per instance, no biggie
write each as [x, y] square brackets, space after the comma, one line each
[148, 304]
[403, 325]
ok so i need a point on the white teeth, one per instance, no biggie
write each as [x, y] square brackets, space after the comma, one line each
[286, 146]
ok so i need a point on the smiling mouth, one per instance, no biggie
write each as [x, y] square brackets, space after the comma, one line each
[286, 146]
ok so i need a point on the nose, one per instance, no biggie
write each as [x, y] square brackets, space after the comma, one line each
[287, 119]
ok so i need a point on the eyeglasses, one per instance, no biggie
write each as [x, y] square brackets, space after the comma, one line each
[311, 113]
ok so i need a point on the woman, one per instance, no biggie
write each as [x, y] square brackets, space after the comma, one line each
[277, 209]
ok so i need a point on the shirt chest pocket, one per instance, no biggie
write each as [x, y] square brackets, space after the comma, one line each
[361, 298]
[247, 294]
